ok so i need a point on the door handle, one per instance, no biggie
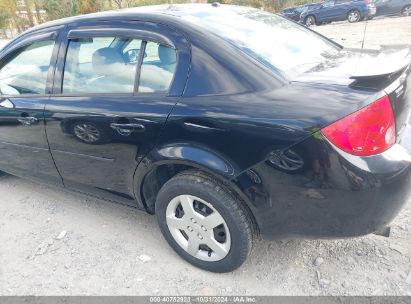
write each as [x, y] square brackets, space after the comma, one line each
[127, 128]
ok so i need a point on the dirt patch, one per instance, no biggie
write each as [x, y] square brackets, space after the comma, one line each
[379, 31]
[55, 242]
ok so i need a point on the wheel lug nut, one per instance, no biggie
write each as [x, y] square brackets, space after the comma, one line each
[204, 228]
[193, 220]
[200, 236]
[189, 229]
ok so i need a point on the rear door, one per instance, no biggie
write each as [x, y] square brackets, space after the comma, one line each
[389, 7]
[115, 86]
[26, 71]
[395, 6]
[328, 11]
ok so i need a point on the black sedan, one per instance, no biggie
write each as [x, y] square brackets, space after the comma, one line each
[225, 122]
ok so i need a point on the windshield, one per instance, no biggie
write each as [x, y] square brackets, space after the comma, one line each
[273, 40]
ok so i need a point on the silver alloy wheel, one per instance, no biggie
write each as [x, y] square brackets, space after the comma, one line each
[86, 132]
[407, 11]
[310, 21]
[353, 16]
[198, 228]
[288, 160]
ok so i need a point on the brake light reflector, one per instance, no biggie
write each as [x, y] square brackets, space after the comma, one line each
[366, 132]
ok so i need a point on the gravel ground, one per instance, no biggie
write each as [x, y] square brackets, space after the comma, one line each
[55, 242]
[391, 30]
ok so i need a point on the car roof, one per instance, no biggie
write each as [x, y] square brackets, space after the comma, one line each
[166, 13]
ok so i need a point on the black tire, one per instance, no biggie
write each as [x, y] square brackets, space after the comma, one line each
[406, 10]
[232, 210]
[354, 16]
[310, 20]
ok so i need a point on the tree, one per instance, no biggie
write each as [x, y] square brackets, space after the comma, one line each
[7, 14]
[122, 3]
[90, 6]
[57, 9]
[38, 6]
[28, 7]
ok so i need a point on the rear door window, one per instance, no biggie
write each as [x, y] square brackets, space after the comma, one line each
[158, 68]
[111, 65]
[100, 65]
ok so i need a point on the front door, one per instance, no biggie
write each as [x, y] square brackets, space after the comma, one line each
[111, 100]
[25, 84]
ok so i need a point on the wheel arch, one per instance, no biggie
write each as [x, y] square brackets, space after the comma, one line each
[163, 164]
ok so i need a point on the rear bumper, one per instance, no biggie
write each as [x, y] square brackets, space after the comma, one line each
[372, 10]
[334, 195]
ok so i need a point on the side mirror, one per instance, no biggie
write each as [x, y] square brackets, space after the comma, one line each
[131, 56]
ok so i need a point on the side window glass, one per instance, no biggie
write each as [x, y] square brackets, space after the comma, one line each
[26, 72]
[100, 65]
[158, 68]
[328, 4]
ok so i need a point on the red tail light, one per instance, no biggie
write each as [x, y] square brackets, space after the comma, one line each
[366, 132]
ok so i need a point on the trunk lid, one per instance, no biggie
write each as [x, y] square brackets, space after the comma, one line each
[361, 69]
[383, 71]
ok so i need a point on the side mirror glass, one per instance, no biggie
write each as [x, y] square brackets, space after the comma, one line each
[131, 56]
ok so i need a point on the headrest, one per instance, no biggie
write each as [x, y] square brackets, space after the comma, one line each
[107, 61]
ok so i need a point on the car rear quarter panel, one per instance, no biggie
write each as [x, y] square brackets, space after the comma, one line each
[232, 135]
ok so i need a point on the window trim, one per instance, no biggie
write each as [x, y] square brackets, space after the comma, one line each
[138, 66]
[122, 32]
[27, 41]
[34, 38]
[119, 33]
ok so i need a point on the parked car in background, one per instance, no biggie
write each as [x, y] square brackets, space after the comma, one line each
[338, 10]
[225, 122]
[393, 7]
[294, 13]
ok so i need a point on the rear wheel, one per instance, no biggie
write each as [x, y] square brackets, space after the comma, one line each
[406, 11]
[353, 16]
[309, 21]
[204, 222]
[289, 161]
[89, 133]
